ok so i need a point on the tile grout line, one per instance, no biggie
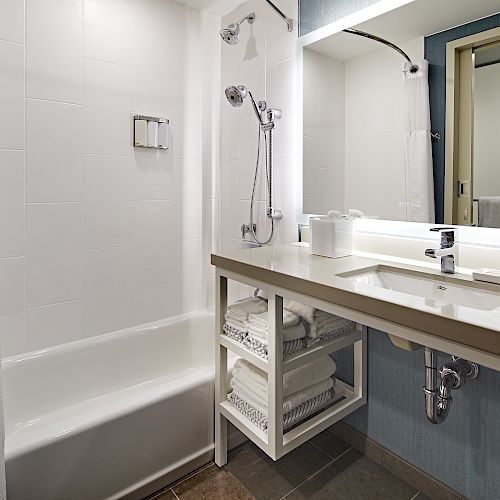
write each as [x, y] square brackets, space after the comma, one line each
[175, 494]
[322, 451]
[189, 476]
[416, 495]
[317, 472]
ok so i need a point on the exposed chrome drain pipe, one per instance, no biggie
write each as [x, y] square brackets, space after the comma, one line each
[453, 376]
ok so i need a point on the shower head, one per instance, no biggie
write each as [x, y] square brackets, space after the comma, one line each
[230, 34]
[236, 94]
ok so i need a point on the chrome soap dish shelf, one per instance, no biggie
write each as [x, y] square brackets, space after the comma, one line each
[151, 132]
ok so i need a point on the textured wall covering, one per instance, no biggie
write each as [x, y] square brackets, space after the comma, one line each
[317, 13]
[464, 451]
[435, 53]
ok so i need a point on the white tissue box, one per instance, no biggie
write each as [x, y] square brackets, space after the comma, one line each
[331, 237]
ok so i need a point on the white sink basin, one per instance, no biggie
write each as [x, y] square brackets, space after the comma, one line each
[436, 292]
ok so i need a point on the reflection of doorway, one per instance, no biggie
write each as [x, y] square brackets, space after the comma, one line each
[459, 159]
[486, 146]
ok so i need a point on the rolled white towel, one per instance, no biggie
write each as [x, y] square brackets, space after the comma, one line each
[294, 332]
[241, 309]
[289, 403]
[262, 320]
[293, 381]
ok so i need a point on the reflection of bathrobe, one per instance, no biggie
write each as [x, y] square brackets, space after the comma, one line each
[489, 211]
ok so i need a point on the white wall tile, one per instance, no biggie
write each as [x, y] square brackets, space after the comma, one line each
[106, 205]
[107, 110]
[190, 198]
[153, 174]
[106, 301]
[12, 95]
[53, 324]
[106, 41]
[153, 303]
[189, 272]
[230, 221]
[54, 49]
[12, 316]
[54, 258]
[154, 225]
[12, 21]
[53, 151]
[11, 203]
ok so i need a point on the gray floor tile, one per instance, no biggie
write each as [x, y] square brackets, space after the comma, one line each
[353, 477]
[164, 495]
[268, 480]
[421, 496]
[330, 444]
[212, 483]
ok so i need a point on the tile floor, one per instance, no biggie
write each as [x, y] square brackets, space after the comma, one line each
[323, 468]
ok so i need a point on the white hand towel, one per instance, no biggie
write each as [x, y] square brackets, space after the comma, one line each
[250, 305]
[291, 402]
[306, 312]
[242, 326]
[318, 329]
[262, 320]
[291, 333]
[293, 381]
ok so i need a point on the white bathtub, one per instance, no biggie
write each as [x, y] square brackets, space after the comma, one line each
[120, 414]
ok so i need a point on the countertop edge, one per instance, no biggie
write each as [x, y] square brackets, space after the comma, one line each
[446, 328]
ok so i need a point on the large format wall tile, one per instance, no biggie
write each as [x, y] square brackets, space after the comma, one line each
[54, 257]
[11, 95]
[54, 49]
[12, 21]
[53, 151]
[12, 203]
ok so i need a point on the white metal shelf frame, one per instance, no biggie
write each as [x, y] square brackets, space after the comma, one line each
[276, 443]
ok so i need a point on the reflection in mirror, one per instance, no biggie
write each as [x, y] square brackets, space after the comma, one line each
[486, 156]
[366, 130]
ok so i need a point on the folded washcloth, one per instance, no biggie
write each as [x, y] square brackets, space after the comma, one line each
[320, 328]
[290, 333]
[236, 324]
[289, 403]
[293, 381]
[262, 320]
[241, 309]
[302, 310]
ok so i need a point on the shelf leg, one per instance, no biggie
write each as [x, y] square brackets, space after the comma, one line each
[220, 370]
[361, 366]
[275, 377]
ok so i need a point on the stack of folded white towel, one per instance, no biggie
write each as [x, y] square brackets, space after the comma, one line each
[322, 325]
[305, 390]
[247, 321]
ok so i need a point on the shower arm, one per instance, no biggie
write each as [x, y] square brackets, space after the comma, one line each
[413, 67]
[288, 21]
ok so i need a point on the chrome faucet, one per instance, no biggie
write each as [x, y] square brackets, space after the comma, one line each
[447, 250]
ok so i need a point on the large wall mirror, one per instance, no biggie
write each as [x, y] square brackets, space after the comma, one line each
[367, 140]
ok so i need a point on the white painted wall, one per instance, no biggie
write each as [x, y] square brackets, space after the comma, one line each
[486, 120]
[324, 133]
[94, 234]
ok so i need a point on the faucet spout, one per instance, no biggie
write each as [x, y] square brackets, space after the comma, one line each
[447, 251]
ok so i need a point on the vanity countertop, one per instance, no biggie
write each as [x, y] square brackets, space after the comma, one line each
[293, 267]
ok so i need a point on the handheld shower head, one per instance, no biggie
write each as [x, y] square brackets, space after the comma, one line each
[231, 32]
[236, 94]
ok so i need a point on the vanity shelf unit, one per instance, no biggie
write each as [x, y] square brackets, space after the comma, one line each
[276, 442]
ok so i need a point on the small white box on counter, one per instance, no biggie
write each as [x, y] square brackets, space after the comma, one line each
[332, 237]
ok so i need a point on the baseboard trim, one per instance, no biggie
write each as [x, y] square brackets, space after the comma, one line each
[412, 475]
